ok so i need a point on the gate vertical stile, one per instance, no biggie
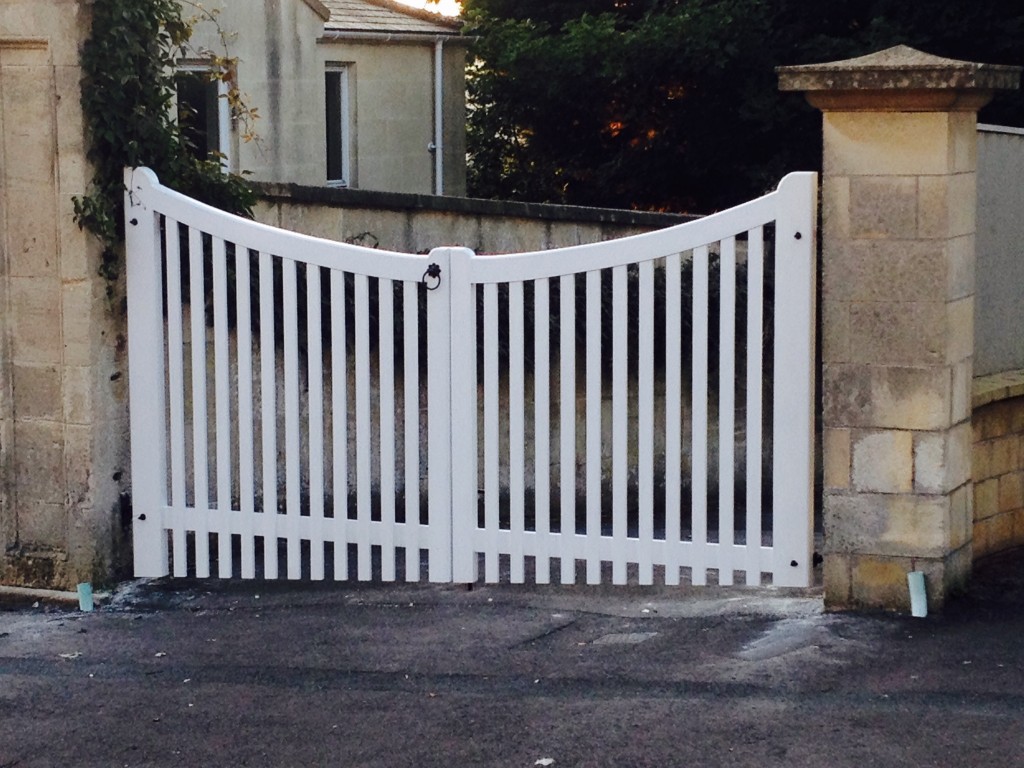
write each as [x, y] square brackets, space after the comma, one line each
[439, 419]
[462, 298]
[793, 386]
[146, 376]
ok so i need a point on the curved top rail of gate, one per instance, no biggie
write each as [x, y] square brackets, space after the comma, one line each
[148, 193]
[655, 245]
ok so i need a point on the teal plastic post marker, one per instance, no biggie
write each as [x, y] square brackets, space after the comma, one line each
[918, 598]
[85, 596]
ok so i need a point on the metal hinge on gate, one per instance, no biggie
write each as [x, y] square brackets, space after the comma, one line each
[433, 272]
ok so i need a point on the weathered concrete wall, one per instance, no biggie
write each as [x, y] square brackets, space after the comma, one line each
[417, 223]
[62, 400]
[999, 304]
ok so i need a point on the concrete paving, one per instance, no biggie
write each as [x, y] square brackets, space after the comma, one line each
[276, 674]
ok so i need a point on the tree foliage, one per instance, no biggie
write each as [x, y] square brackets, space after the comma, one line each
[128, 98]
[673, 104]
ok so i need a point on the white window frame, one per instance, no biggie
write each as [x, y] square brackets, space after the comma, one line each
[344, 72]
[224, 123]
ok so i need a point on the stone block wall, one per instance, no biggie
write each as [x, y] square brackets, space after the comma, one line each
[63, 406]
[998, 463]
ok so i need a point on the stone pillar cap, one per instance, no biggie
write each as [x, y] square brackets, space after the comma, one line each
[899, 76]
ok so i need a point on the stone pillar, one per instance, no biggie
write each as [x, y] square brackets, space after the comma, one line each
[898, 207]
[63, 432]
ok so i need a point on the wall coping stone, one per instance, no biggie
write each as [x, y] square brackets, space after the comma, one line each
[401, 201]
[996, 387]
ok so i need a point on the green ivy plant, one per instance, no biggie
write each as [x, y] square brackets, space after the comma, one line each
[128, 99]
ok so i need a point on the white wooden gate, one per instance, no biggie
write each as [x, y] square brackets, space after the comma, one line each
[325, 410]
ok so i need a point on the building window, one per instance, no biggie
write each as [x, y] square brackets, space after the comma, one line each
[339, 126]
[204, 113]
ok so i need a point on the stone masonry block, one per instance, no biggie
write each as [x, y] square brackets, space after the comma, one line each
[836, 575]
[980, 537]
[960, 404]
[883, 462]
[898, 333]
[963, 132]
[1011, 491]
[837, 458]
[884, 397]
[37, 392]
[1000, 532]
[880, 583]
[1015, 408]
[39, 461]
[431, 229]
[946, 206]
[904, 525]
[1005, 455]
[77, 395]
[961, 516]
[35, 320]
[986, 498]
[959, 450]
[835, 332]
[883, 270]
[42, 524]
[835, 209]
[960, 267]
[929, 462]
[883, 207]
[887, 143]
[31, 230]
[79, 326]
[27, 106]
[959, 329]
[78, 463]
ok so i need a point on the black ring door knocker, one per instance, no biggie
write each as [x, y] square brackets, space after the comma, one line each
[433, 273]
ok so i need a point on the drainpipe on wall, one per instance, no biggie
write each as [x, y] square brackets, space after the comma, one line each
[439, 116]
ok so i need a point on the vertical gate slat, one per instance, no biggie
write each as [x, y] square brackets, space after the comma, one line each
[542, 427]
[315, 400]
[386, 412]
[268, 415]
[176, 382]
[411, 391]
[620, 419]
[645, 430]
[754, 405]
[364, 439]
[491, 430]
[200, 434]
[246, 452]
[517, 439]
[292, 440]
[593, 533]
[222, 412]
[567, 427]
[726, 409]
[175, 365]
[699, 394]
[673, 416]
[339, 423]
